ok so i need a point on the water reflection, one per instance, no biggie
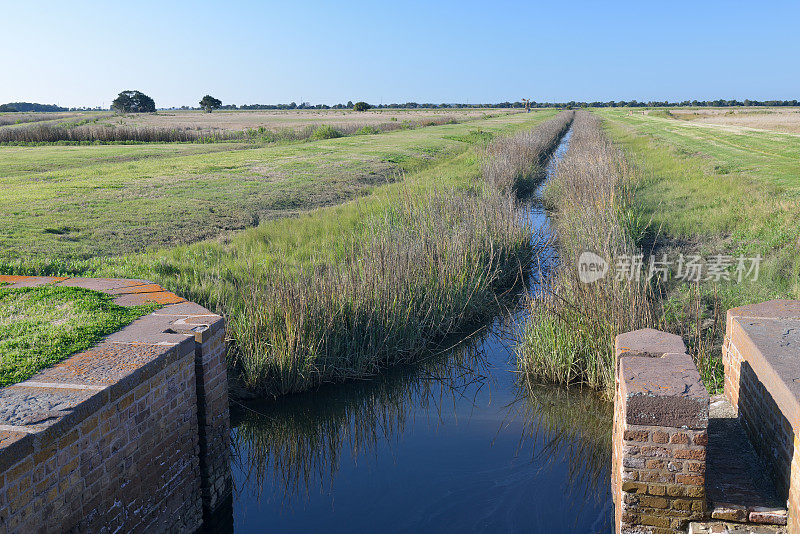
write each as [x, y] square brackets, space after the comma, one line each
[298, 440]
[475, 450]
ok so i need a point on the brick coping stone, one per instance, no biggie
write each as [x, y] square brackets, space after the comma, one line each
[659, 381]
[34, 413]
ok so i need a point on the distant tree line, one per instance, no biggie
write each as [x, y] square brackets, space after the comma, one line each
[570, 104]
[24, 107]
[135, 101]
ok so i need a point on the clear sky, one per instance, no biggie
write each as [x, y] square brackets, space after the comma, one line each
[82, 53]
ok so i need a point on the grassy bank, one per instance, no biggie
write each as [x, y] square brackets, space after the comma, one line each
[672, 192]
[344, 291]
[43, 325]
[711, 191]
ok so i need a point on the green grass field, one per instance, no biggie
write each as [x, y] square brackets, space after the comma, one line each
[719, 191]
[62, 204]
[287, 240]
[711, 189]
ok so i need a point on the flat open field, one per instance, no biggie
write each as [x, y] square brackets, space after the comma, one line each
[779, 119]
[295, 119]
[718, 190]
[64, 203]
[239, 120]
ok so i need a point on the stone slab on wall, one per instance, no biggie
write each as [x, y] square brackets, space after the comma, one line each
[130, 435]
[761, 355]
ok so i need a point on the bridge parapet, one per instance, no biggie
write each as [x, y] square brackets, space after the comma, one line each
[761, 355]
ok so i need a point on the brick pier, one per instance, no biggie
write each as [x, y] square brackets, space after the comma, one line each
[660, 435]
[131, 435]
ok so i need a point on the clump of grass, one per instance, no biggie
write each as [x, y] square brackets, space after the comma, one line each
[569, 337]
[325, 132]
[427, 268]
[41, 326]
[514, 163]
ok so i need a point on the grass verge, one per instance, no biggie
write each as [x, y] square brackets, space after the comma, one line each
[41, 326]
[673, 192]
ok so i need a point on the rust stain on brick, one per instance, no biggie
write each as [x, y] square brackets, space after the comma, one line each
[158, 297]
[143, 288]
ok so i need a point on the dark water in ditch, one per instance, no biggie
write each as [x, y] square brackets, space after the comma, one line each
[451, 444]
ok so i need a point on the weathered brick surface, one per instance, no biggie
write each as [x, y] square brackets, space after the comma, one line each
[658, 470]
[130, 436]
[214, 421]
[760, 356]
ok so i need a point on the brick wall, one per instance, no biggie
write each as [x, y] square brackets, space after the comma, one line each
[660, 435]
[130, 436]
[761, 358]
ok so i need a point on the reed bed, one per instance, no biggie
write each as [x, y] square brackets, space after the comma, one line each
[428, 267]
[107, 133]
[569, 337]
[22, 118]
[516, 163]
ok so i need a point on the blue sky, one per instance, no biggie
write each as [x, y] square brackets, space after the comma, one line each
[84, 53]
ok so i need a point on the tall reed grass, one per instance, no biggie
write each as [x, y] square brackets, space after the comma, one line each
[516, 163]
[105, 133]
[569, 337]
[427, 266]
[22, 118]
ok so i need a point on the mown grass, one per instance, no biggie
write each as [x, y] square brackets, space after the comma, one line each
[692, 190]
[43, 325]
[61, 206]
[343, 290]
[711, 190]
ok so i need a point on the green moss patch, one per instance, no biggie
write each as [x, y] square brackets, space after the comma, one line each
[41, 326]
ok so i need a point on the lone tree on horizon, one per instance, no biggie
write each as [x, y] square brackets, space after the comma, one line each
[133, 102]
[361, 106]
[209, 103]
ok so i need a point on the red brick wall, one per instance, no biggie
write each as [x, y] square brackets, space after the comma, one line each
[213, 416]
[129, 436]
[658, 470]
[132, 465]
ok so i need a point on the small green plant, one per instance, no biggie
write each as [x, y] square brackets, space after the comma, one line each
[367, 130]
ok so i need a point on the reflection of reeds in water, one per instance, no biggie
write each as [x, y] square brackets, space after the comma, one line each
[299, 440]
[575, 427]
